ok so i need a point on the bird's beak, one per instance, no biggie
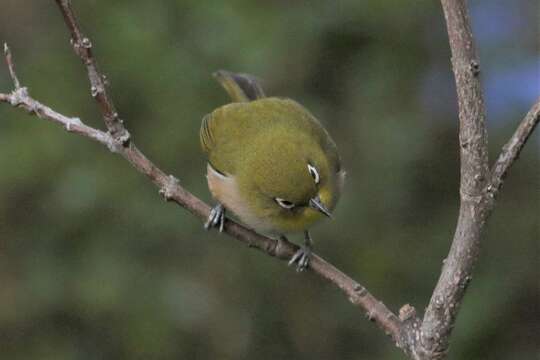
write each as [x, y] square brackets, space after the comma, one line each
[317, 204]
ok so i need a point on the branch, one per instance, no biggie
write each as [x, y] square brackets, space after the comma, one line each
[457, 270]
[513, 147]
[171, 190]
[477, 190]
[11, 67]
[98, 86]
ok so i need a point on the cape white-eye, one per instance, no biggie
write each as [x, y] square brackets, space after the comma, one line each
[270, 162]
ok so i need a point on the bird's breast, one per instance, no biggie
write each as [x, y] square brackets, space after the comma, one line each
[225, 190]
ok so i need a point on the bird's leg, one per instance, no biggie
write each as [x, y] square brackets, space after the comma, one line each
[303, 255]
[216, 217]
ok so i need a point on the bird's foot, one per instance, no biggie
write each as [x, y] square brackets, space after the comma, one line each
[301, 258]
[216, 218]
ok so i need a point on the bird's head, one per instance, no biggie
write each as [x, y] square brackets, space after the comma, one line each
[289, 180]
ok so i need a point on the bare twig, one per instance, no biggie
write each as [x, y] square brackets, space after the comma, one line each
[513, 147]
[11, 67]
[19, 98]
[98, 86]
[172, 191]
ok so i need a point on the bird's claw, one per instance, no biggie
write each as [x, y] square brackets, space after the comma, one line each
[301, 258]
[216, 217]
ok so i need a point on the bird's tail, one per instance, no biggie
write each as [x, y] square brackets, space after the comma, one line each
[240, 87]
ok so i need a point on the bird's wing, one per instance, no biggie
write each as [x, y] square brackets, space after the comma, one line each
[227, 132]
[230, 121]
[224, 134]
[205, 134]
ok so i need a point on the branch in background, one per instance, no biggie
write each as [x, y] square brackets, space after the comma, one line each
[477, 190]
[456, 273]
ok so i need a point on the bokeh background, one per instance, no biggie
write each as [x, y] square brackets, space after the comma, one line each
[94, 265]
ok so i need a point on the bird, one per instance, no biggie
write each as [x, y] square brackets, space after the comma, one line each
[270, 162]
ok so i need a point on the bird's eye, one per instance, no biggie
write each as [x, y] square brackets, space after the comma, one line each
[286, 204]
[314, 173]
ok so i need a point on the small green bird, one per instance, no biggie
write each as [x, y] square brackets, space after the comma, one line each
[270, 162]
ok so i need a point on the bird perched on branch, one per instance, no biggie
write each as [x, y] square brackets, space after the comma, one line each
[270, 162]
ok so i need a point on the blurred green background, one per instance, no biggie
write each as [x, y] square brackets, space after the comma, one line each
[94, 265]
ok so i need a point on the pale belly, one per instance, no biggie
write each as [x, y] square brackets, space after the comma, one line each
[225, 190]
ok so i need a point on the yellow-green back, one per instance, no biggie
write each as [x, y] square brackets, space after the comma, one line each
[228, 132]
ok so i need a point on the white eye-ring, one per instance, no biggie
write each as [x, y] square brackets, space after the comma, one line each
[286, 204]
[314, 173]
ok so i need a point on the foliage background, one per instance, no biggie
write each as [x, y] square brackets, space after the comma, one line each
[93, 265]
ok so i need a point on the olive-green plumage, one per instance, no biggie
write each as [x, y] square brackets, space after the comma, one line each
[269, 154]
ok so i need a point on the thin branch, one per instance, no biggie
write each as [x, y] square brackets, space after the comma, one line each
[98, 85]
[171, 190]
[466, 68]
[19, 98]
[477, 190]
[456, 274]
[11, 67]
[513, 147]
